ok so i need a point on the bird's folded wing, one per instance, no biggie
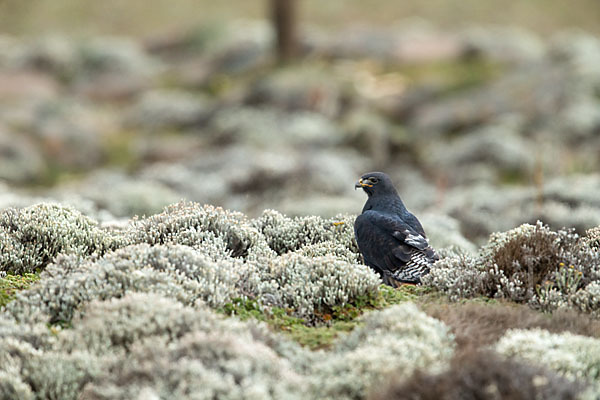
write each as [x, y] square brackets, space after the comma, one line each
[387, 241]
[398, 228]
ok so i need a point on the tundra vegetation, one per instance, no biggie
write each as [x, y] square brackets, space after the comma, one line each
[112, 287]
[198, 302]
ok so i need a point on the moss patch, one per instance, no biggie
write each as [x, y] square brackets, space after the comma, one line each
[11, 284]
[330, 323]
[453, 75]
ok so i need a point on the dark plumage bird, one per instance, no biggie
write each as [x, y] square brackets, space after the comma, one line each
[390, 238]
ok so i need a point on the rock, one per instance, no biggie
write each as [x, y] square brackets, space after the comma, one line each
[23, 85]
[504, 44]
[270, 127]
[444, 231]
[122, 195]
[20, 160]
[299, 88]
[55, 55]
[169, 109]
[114, 69]
[70, 133]
[499, 147]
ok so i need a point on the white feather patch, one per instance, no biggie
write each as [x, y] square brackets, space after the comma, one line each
[415, 240]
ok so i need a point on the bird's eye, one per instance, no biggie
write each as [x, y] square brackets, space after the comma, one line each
[373, 180]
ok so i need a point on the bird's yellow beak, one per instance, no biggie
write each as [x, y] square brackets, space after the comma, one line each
[361, 184]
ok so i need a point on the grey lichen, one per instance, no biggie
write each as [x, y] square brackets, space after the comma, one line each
[285, 234]
[31, 237]
[574, 356]
[147, 343]
[359, 362]
[191, 224]
[132, 310]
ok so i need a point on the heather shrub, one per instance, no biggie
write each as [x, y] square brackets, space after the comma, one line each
[149, 343]
[301, 284]
[49, 374]
[399, 339]
[201, 365]
[59, 375]
[191, 224]
[175, 271]
[31, 237]
[330, 249]
[122, 346]
[284, 234]
[476, 325]
[592, 238]
[12, 387]
[530, 264]
[172, 351]
[306, 284]
[573, 356]
[482, 375]
[36, 335]
[118, 323]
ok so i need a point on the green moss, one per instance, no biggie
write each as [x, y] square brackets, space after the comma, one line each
[119, 150]
[453, 75]
[330, 323]
[514, 177]
[11, 284]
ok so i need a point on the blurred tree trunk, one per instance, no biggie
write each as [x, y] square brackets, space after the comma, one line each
[283, 15]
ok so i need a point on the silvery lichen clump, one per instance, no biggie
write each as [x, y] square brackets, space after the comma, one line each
[192, 224]
[205, 254]
[284, 234]
[574, 356]
[412, 340]
[175, 271]
[139, 310]
[147, 343]
[531, 264]
[31, 237]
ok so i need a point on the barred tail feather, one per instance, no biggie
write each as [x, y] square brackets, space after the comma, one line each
[416, 267]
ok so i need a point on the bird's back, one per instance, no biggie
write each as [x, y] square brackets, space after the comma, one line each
[393, 242]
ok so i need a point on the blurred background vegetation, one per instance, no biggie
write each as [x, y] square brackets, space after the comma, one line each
[486, 114]
[140, 18]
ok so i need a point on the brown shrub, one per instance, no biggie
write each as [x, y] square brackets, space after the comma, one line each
[485, 376]
[476, 325]
[529, 264]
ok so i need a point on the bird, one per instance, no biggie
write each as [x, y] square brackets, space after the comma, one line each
[390, 238]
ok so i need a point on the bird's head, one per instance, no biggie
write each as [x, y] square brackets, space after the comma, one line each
[376, 183]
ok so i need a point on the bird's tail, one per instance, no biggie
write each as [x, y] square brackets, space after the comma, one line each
[411, 275]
